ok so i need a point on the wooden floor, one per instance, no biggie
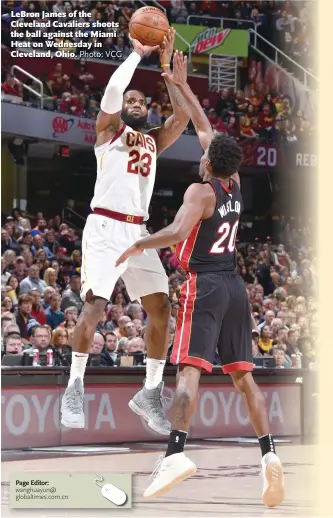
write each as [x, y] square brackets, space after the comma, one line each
[227, 482]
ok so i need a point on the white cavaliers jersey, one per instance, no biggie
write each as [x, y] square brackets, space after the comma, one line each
[126, 168]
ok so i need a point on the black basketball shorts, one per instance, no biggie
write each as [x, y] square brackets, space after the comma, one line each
[214, 314]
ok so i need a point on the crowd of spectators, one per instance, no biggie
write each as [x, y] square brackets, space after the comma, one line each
[40, 296]
[250, 113]
[269, 117]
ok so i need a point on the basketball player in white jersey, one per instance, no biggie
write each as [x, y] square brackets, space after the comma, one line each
[126, 165]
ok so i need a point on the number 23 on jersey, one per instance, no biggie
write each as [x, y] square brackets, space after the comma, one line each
[139, 164]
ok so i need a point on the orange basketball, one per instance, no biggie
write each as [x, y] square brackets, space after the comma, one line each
[149, 25]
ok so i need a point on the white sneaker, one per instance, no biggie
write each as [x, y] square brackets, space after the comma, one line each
[272, 471]
[72, 415]
[169, 472]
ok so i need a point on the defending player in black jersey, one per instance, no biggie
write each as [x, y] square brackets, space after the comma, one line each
[215, 311]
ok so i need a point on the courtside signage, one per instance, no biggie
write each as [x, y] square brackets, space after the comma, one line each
[229, 42]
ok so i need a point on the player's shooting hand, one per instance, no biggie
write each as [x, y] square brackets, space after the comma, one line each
[179, 74]
[143, 50]
[132, 250]
[166, 48]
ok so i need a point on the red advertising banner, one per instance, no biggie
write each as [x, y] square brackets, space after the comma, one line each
[30, 417]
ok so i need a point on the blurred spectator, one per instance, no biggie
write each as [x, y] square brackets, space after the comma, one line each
[50, 278]
[37, 311]
[32, 281]
[12, 290]
[40, 339]
[46, 298]
[13, 344]
[134, 311]
[280, 358]
[7, 242]
[23, 314]
[120, 330]
[111, 343]
[71, 296]
[265, 342]
[60, 341]
[54, 316]
[122, 47]
[12, 87]
[154, 115]
[178, 12]
[130, 330]
[225, 105]
[82, 74]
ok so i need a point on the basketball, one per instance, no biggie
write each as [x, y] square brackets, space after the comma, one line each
[149, 25]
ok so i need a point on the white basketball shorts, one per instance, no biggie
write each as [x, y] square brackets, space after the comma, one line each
[103, 241]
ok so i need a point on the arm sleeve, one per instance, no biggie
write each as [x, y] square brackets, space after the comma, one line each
[112, 100]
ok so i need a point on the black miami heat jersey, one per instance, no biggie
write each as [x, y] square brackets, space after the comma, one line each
[211, 245]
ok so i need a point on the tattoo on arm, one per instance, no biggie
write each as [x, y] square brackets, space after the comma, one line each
[175, 96]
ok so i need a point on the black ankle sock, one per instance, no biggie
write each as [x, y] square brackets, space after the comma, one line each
[267, 444]
[176, 443]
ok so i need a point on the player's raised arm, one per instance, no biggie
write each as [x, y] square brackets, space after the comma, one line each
[196, 201]
[109, 118]
[198, 116]
[179, 80]
[174, 126]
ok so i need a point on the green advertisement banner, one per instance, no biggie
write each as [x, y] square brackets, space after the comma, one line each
[203, 40]
[70, 490]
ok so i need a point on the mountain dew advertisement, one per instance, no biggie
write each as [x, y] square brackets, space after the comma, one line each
[228, 42]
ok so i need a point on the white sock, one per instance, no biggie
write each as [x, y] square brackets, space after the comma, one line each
[154, 373]
[78, 367]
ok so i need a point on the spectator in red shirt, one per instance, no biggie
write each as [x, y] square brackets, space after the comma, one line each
[82, 74]
[58, 87]
[57, 72]
[37, 312]
[254, 98]
[10, 87]
[71, 105]
[215, 122]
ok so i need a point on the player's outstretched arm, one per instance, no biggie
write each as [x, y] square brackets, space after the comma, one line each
[174, 126]
[198, 116]
[195, 203]
[112, 101]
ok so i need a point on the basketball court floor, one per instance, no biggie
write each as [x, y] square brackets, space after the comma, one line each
[227, 482]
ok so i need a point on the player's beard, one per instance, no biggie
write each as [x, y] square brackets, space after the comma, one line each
[134, 122]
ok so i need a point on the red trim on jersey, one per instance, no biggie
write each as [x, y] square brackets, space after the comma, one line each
[118, 134]
[197, 362]
[184, 320]
[228, 190]
[185, 248]
[237, 366]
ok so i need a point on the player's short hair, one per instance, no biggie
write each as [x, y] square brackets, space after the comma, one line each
[224, 155]
[136, 90]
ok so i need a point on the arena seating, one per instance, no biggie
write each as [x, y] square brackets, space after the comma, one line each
[41, 254]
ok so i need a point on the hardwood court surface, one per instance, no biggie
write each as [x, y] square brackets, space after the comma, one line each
[227, 482]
